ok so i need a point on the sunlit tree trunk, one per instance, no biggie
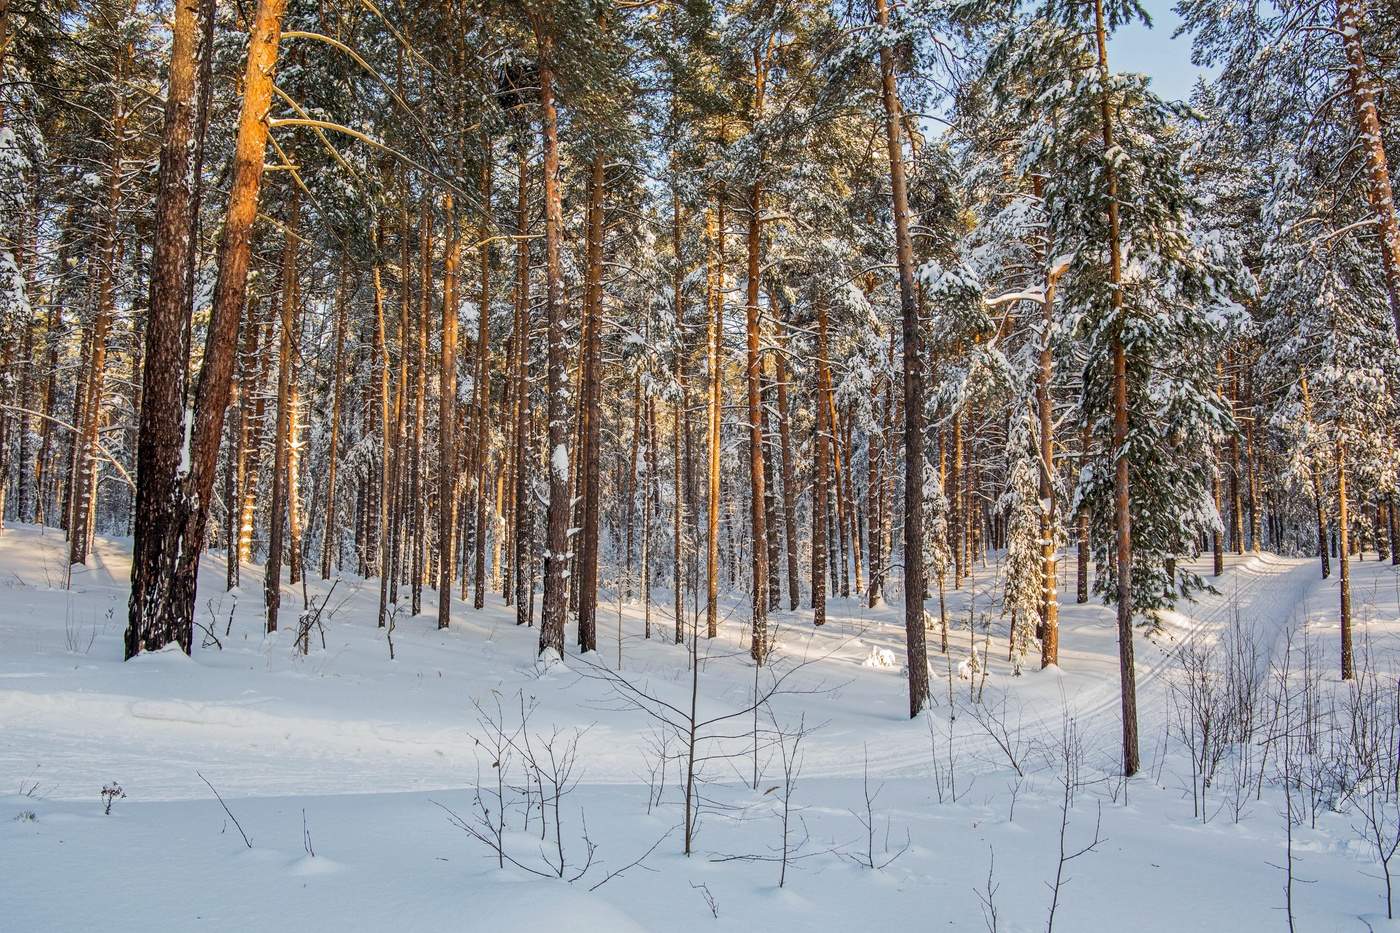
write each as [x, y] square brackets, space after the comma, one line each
[714, 352]
[230, 292]
[1352, 27]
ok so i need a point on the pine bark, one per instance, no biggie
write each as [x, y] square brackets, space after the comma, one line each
[524, 449]
[556, 594]
[789, 467]
[714, 351]
[821, 446]
[230, 293]
[481, 428]
[1122, 515]
[282, 486]
[1050, 598]
[447, 414]
[758, 525]
[916, 653]
[330, 536]
[1343, 560]
[160, 435]
[1365, 113]
[85, 483]
[589, 453]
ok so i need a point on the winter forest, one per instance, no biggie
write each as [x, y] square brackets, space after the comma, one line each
[698, 464]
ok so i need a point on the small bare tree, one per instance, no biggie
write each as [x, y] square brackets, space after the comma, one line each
[1071, 762]
[869, 857]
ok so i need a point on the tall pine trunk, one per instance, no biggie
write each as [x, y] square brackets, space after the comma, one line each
[589, 456]
[1122, 515]
[230, 293]
[160, 434]
[556, 561]
[916, 653]
[1344, 560]
[758, 525]
[330, 535]
[1379, 193]
[714, 352]
[282, 486]
[447, 413]
[85, 483]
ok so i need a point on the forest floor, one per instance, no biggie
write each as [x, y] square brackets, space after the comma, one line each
[359, 759]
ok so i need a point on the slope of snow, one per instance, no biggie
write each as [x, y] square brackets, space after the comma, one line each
[357, 758]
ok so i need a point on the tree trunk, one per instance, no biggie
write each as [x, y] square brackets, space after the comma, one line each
[1368, 129]
[524, 449]
[821, 445]
[1082, 524]
[916, 654]
[447, 413]
[230, 292]
[1343, 560]
[160, 434]
[282, 486]
[85, 484]
[955, 503]
[1049, 598]
[1123, 518]
[257, 431]
[247, 385]
[757, 518]
[789, 468]
[482, 390]
[770, 502]
[331, 533]
[714, 346]
[589, 454]
[679, 485]
[383, 512]
[418, 485]
[556, 544]
[1236, 499]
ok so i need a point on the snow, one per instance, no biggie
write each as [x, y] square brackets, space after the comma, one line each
[881, 657]
[352, 757]
[559, 462]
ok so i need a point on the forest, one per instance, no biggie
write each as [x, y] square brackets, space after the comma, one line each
[603, 344]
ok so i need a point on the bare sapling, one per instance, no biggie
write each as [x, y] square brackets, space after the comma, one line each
[1071, 759]
[867, 856]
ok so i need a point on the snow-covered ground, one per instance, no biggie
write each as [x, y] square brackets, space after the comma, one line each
[359, 759]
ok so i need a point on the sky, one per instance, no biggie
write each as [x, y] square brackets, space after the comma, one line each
[1154, 52]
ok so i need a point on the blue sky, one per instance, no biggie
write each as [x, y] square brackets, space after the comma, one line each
[1154, 52]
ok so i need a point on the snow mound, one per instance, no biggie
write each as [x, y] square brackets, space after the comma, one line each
[971, 666]
[882, 658]
[309, 866]
[170, 654]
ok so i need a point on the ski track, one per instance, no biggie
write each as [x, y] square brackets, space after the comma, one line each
[1268, 591]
